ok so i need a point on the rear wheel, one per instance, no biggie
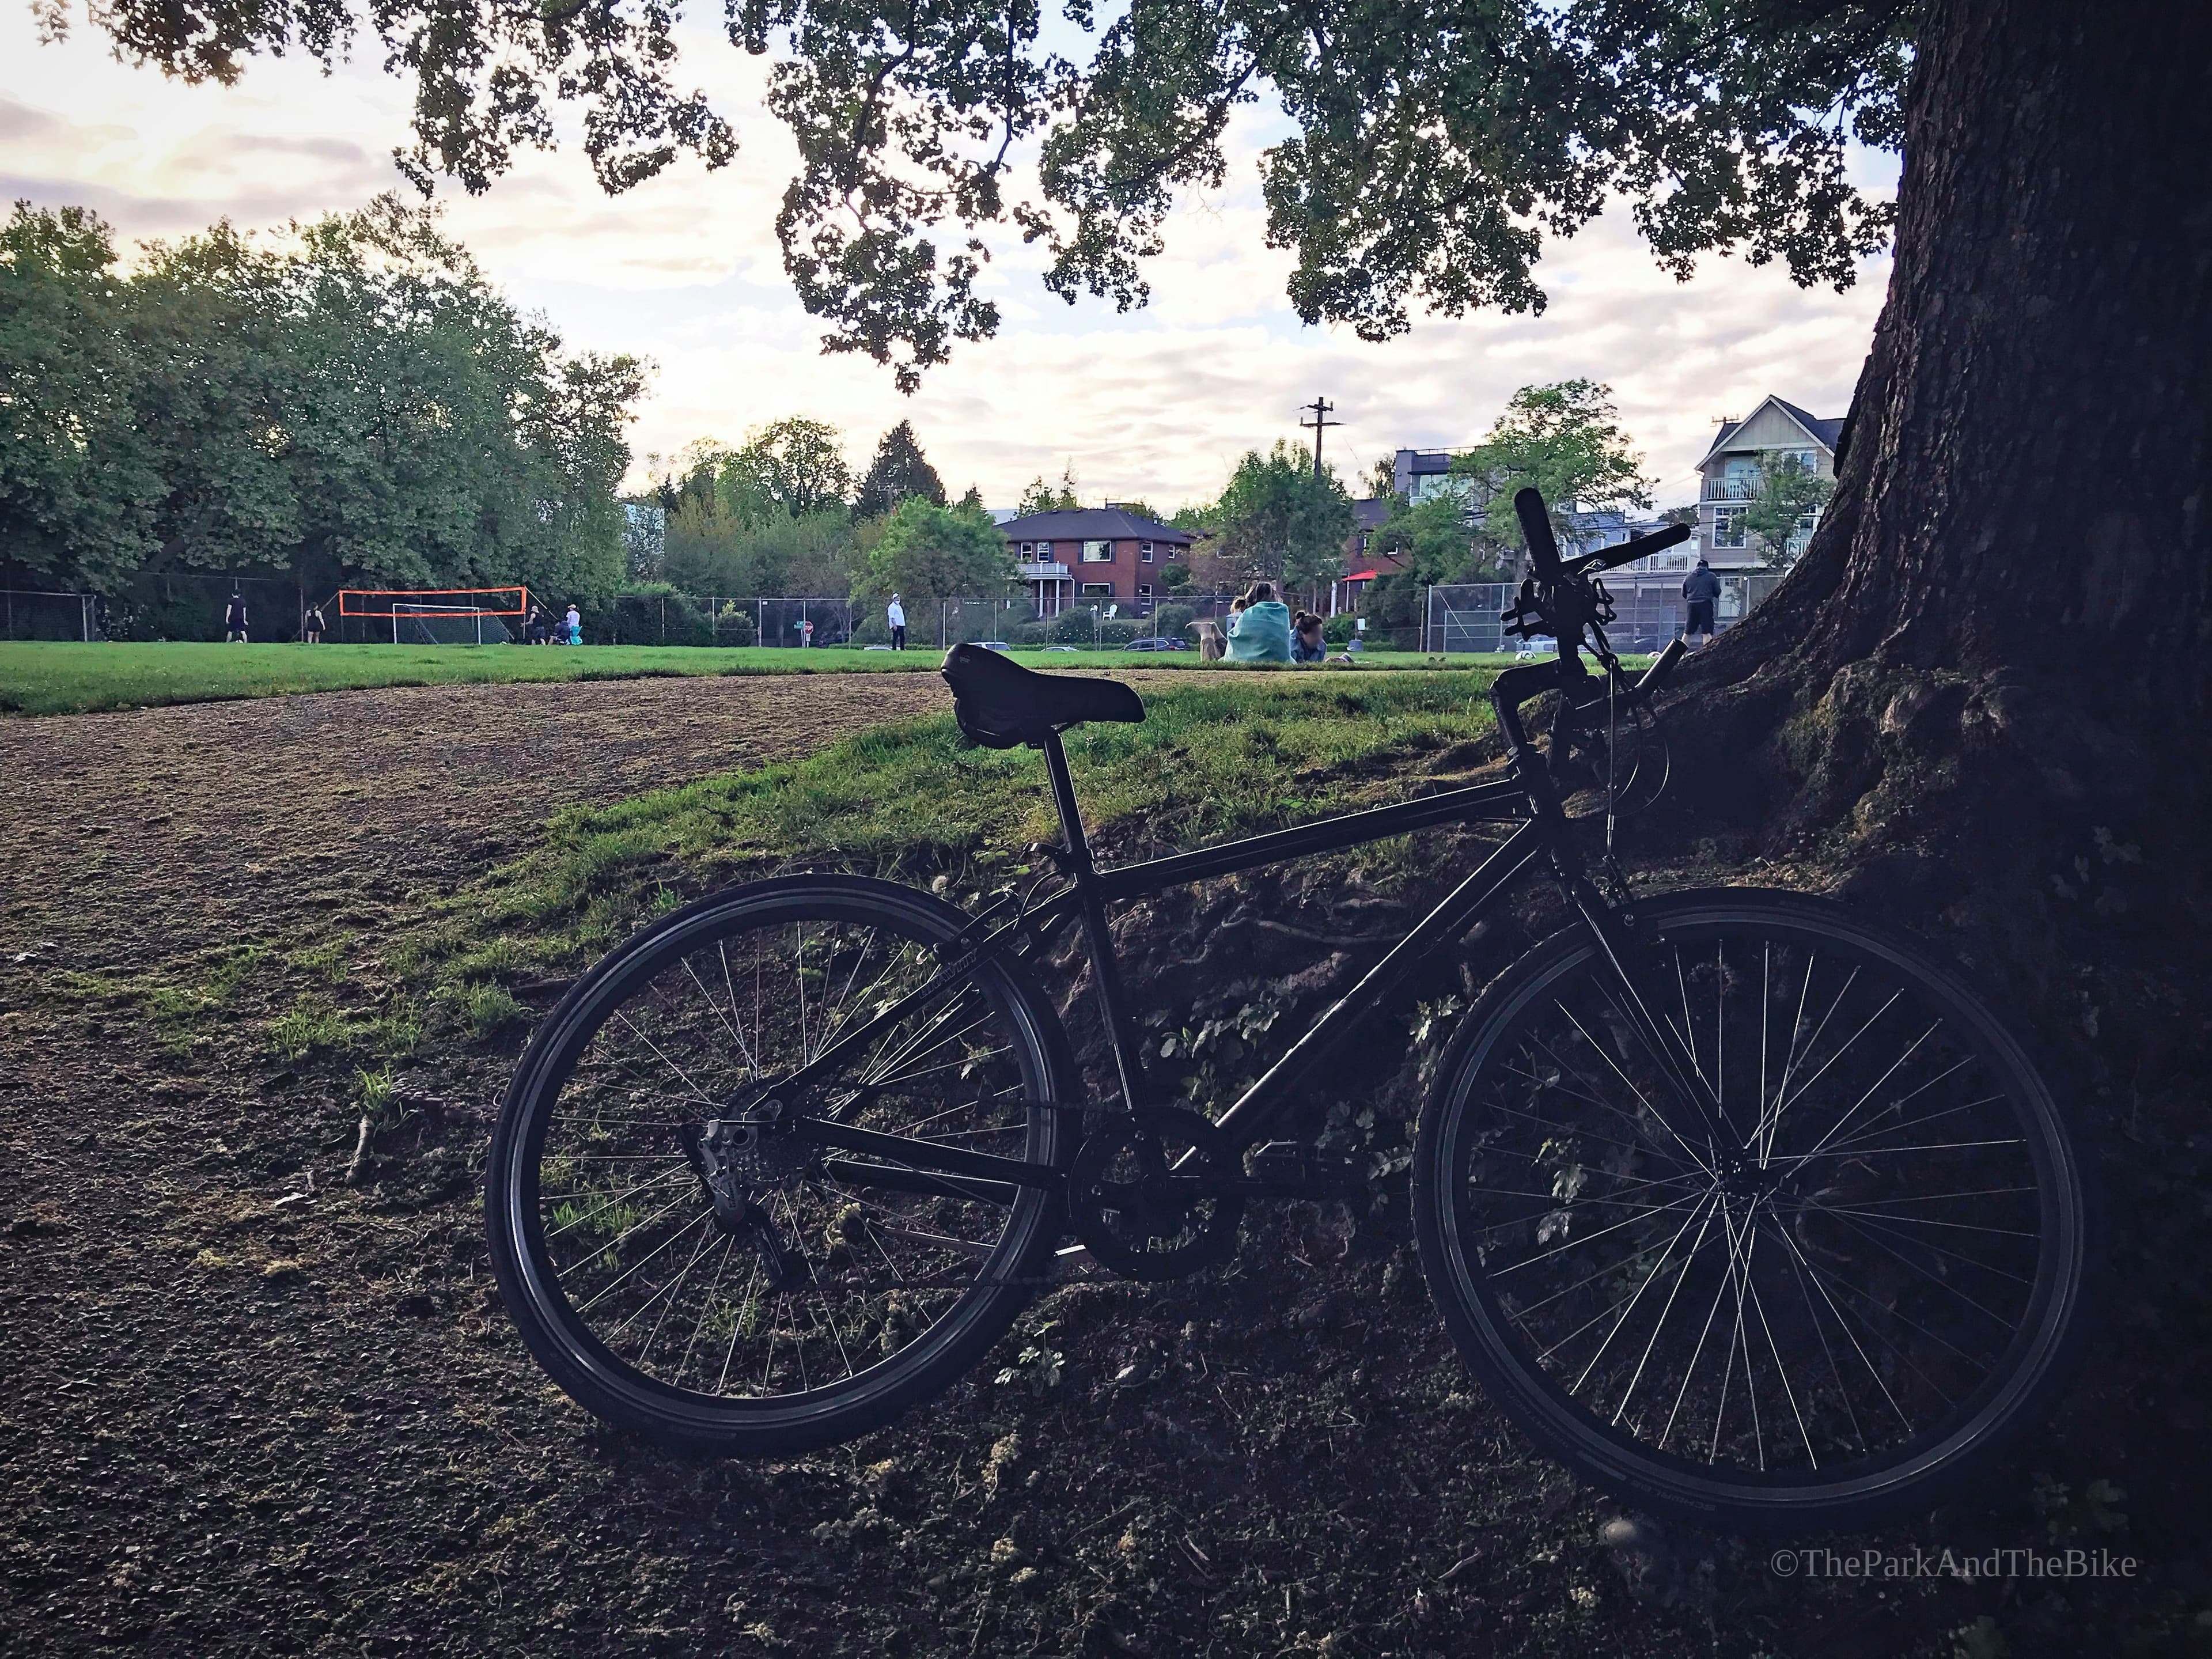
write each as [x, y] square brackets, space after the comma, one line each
[1832, 1305]
[833, 1292]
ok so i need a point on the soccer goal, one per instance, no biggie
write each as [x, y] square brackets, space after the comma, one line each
[440, 615]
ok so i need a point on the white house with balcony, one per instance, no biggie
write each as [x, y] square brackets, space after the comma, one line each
[1734, 466]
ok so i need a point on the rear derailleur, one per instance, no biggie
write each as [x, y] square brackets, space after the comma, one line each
[718, 1151]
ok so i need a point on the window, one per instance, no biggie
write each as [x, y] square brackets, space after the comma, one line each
[1028, 548]
[1728, 526]
[1144, 551]
[1098, 552]
[1810, 460]
[1097, 590]
[1143, 589]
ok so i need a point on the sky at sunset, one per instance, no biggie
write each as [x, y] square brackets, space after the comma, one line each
[685, 271]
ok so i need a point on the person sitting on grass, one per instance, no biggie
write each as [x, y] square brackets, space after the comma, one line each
[1260, 631]
[1306, 642]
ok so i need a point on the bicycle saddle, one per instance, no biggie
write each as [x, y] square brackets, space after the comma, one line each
[1000, 704]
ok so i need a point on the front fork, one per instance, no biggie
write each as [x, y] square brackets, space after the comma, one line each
[1688, 1106]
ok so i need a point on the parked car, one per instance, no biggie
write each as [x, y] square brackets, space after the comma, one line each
[1063, 647]
[994, 645]
[1538, 646]
[1158, 642]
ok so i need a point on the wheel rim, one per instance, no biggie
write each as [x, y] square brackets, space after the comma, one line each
[659, 1295]
[1847, 1279]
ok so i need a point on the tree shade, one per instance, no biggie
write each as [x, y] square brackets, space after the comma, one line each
[1434, 144]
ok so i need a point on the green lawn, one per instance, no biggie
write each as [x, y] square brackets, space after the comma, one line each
[39, 678]
[1216, 757]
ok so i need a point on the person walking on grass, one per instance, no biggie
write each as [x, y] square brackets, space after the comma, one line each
[894, 614]
[1261, 632]
[574, 625]
[234, 620]
[1701, 589]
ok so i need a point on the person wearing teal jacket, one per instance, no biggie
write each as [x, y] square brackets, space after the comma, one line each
[1261, 631]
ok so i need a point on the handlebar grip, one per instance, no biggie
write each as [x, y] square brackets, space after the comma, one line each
[1628, 552]
[1667, 661]
[1536, 527]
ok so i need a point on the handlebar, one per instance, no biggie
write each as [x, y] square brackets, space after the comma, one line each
[1536, 530]
[1625, 552]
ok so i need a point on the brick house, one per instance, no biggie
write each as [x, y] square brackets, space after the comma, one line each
[1094, 553]
[1731, 470]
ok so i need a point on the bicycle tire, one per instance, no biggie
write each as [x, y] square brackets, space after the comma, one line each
[1524, 1109]
[622, 1387]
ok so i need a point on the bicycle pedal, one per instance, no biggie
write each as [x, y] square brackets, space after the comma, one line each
[1283, 1168]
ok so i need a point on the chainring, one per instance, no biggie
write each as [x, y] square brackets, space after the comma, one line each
[1145, 1194]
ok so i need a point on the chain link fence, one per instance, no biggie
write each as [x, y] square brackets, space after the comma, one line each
[39, 614]
[1647, 613]
[194, 606]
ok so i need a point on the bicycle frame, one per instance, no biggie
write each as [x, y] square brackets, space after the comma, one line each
[1526, 795]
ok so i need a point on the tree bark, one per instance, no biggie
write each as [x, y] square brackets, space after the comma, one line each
[1995, 648]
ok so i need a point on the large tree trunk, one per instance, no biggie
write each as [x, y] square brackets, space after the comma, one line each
[1996, 646]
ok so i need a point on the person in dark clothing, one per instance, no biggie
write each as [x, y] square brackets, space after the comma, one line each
[234, 620]
[1702, 588]
[311, 627]
[1306, 642]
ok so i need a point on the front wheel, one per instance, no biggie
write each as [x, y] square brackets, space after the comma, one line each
[819, 1295]
[1832, 1304]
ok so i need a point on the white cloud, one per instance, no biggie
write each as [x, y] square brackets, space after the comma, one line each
[1157, 403]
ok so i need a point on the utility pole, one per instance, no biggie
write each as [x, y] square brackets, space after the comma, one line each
[1321, 408]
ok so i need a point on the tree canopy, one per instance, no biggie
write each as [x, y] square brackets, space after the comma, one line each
[900, 470]
[1566, 441]
[1041, 497]
[351, 400]
[929, 551]
[1434, 143]
[1279, 518]
[1790, 494]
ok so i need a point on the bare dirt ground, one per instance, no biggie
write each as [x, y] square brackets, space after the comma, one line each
[250, 1409]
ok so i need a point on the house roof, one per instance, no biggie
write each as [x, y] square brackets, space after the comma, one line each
[1823, 429]
[1092, 524]
[1369, 513]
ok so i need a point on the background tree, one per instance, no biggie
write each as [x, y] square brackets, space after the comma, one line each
[797, 464]
[1277, 518]
[900, 470]
[78, 484]
[933, 552]
[1041, 497]
[354, 402]
[1565, 440]
[1789, 493]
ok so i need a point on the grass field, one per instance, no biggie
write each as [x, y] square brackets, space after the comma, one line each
[41, 677]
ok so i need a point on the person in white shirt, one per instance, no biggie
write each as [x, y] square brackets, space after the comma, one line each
[894, 614]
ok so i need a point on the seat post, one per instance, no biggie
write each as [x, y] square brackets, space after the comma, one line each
[1128, 1061]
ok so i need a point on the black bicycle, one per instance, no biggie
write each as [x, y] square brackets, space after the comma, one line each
[1748, 1210]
